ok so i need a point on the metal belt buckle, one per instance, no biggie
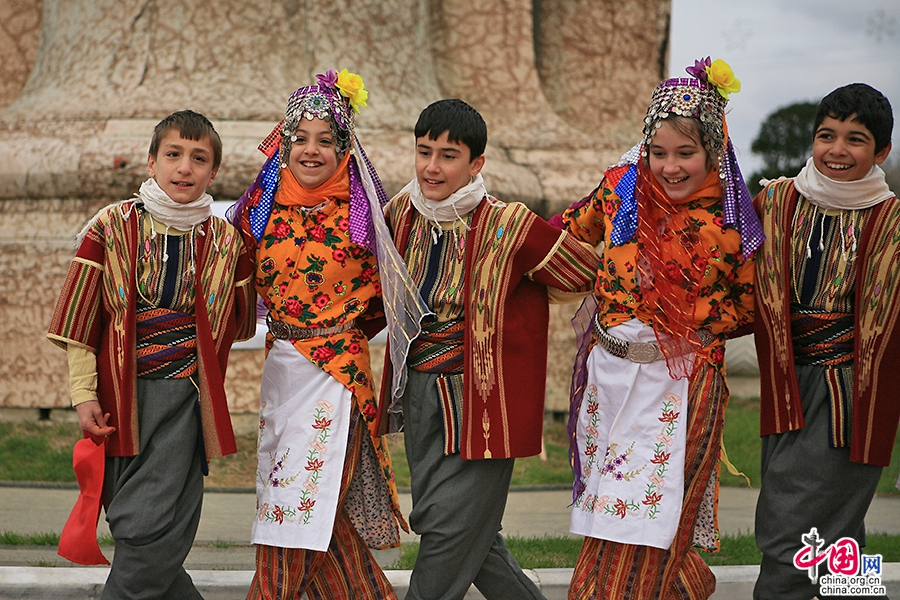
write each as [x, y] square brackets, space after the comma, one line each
[279, 329]
[643, 352]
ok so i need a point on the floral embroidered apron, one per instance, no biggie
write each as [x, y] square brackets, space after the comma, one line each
[303, 429]
[631, 436]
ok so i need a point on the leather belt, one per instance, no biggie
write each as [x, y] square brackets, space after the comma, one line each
[637, 352]
[286, 331]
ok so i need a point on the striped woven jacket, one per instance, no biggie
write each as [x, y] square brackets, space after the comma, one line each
[97, 307]
[512, 258]
[876, 411]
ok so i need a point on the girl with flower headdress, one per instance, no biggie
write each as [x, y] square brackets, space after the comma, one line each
[325, 489]
[648, 393]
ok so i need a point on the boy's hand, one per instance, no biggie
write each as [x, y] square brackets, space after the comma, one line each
[92, 419]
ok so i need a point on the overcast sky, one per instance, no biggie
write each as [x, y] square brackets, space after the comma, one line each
[787, 51]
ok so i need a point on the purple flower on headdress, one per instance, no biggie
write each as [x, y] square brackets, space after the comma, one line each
[698, 71]
[328, 80]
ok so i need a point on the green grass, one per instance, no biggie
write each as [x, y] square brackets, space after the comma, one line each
[561, 552]
[42, 451]
[9, 538]
[37, 451]
[742, 445]
[888, 546]
[42, 563]
[735, 550]
[555, 470]
[741, 440]
[544, 552]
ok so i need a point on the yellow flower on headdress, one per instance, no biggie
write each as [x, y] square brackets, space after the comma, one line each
[720, 75]
[351, 86]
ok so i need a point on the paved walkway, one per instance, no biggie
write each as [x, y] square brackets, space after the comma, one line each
[221, 560]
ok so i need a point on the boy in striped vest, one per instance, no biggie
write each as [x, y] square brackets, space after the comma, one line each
[826, 329]
[156, 294]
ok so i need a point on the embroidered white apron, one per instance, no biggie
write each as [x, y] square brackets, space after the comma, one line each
[631, 440]
[304, 421]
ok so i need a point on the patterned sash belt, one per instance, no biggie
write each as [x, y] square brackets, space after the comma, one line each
[821, 338]
[287, 331]
[826, 339]
[166, 343]
[439, 348]
[637, 352]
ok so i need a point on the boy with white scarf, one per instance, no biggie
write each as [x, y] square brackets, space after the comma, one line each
[826, 327]
[475, 394]
[158, 291]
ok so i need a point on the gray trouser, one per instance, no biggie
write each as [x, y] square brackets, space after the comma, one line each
[806, 483]
[457, 510]
[153, 499]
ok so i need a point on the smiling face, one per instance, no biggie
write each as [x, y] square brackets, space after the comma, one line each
[313, 155]
[845, 150]
[678, 161]
[443, 167]
[183, 168]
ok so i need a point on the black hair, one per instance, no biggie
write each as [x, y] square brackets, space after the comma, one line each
[192, 126]
[866, 105]
[463, 124]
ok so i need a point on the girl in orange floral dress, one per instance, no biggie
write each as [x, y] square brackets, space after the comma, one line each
[678, 229]
[325, 489]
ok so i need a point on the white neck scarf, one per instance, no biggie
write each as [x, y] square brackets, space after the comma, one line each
[453, 208]
[829, 194]
[170, 213]
[165, 210]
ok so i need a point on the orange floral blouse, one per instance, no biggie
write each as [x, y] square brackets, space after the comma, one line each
[310, 274]
[725, 298]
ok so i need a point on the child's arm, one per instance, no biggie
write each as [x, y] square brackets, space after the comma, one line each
[561, 262]
[83, 391]
[77, 324]
[743, 291]
[732, 280]
[92, 419]
[373, 320]
[244, 294]
[584, 219]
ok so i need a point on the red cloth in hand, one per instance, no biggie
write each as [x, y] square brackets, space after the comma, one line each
[78, 540]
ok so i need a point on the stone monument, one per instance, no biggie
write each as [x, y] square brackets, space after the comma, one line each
[562, 85]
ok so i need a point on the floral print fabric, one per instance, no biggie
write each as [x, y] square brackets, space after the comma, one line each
[725, 296]
[723, 302]
[310, 274]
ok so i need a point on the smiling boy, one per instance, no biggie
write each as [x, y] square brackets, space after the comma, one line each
[158, 291]
[475, 394]
[183, 168]
[827, 322]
